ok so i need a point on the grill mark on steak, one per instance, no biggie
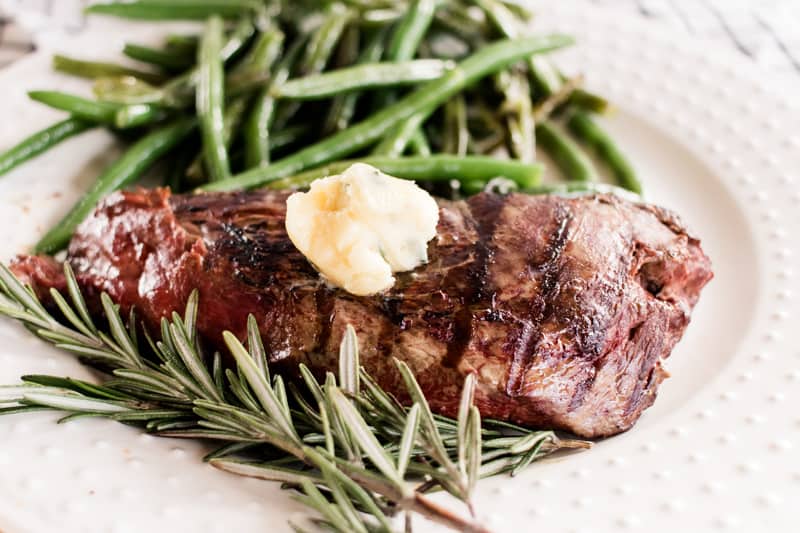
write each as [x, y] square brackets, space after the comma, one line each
[479, 292]
[548, 300]
[531, 336]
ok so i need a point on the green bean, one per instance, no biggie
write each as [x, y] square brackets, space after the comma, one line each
[461, 24]
[520, 117]
[102, 112]
[418, 144]
[97, 69]
[183, 42]
[286, 136]
[587, 101]
[130, 116]
[169, 60]
[551, 105]
[322, 43]
[456, 135]
[234, 112]
[568, 156]
[40, 142]
[318, 52]
[428, 168]
[211, 99]
[259, 121]
[263, 54]
[361, 77]
[133, 163]
[577, 187]
[403, 46]
[545, 78]
[470, 187]
[585, 129]
[343, 106]
[413, 108]
[109, 113]
[125, 90]
[411, 30]
[175, 9]
[180, 92]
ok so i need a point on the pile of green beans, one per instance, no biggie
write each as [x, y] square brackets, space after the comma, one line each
[455, 93]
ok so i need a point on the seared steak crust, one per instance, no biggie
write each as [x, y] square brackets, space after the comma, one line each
[563, 307]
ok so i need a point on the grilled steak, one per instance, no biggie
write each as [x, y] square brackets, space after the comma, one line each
[563, 307]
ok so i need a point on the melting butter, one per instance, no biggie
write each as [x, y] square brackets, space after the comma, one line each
[360, 227]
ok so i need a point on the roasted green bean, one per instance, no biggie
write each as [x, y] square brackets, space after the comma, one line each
[362, 77]
[544, 77]
[135, 161]
[258, 123]
[210, 101]
[581, 187]
[429, 168]
[403, 46]
[587, 130]
[411, 110]
[343, 106]
[129, 116]
[175, 9]
[40, 142]
[91, 110]
[318, 52]
[99, 69]
[519, 114]
[571, 160]
[169, 60]
[411, 30]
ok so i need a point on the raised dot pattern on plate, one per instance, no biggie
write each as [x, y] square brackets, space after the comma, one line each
[726, 460]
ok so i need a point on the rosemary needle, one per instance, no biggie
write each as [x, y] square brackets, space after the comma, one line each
[349, 454]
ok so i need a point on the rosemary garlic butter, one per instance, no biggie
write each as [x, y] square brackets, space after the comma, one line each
[361, 226]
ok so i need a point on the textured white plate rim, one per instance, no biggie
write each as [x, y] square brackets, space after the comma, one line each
[723, 458]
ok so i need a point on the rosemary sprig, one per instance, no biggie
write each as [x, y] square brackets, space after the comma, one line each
[350, 451]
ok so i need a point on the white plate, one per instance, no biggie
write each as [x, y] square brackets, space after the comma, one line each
[715, 452]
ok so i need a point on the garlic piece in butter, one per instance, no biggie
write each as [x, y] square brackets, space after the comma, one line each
[361, 226]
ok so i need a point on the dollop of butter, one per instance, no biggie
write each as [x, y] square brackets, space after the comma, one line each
[361, 226]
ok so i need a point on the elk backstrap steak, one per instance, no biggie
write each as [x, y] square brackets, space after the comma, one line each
[564, 308]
